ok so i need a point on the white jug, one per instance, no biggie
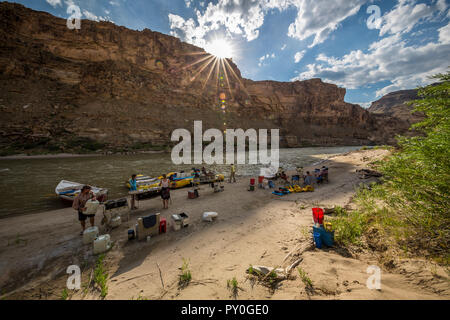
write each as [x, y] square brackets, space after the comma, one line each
[102, 244]
[90, 234]
[116, 222]
[91, 207]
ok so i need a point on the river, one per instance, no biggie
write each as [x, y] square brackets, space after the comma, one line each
[28, 185]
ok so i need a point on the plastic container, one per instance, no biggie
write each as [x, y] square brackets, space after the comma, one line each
[185, 219]
[177, 222]
[260, 179]
[327, 238]
[116, 222]
[90, 234]
[102, 244]
[318, 240]
[131, 234]
[209, 216]
[318, 215]
[163, 226]
[91, 207]
[252, 181]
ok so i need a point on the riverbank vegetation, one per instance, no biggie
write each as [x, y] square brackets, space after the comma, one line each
[410, 208]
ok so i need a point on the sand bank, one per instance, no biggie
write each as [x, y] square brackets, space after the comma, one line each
[253, 228]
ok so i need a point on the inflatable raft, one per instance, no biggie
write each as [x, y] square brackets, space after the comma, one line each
[68, 190]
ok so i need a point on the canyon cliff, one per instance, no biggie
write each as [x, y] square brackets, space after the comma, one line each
[395, 104]
[105, 87]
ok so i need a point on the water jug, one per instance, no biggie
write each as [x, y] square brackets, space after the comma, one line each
[116, 222]
[90, 234]
[91, 207]
[102, 244]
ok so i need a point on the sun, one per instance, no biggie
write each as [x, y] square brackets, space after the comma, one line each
[220, 48]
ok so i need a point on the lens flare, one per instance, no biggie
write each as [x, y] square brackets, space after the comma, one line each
[220, 48]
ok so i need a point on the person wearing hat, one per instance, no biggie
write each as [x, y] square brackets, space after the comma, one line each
[79, 204]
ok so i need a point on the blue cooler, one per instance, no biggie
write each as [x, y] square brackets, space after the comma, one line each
[326, 237]
[318, 240]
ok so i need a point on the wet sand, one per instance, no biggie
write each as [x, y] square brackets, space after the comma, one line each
[253, 228]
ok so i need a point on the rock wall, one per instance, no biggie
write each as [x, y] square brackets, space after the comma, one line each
[108, 87]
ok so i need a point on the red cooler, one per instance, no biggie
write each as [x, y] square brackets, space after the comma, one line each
[163, 226]
[318, 215]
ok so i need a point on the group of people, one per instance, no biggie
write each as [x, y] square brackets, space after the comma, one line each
[165, 191]
[318, 177]
[309, 179]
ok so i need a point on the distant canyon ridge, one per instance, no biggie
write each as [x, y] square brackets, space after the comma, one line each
[105, 87]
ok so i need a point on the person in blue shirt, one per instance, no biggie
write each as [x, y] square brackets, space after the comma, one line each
[133, 187]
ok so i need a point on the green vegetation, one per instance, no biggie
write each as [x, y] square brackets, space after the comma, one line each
[233, 286]
[349, 226]
[251, 270]
[185, 275]
[64, 294]
[306, 280]
[411, 208]
[101, 276]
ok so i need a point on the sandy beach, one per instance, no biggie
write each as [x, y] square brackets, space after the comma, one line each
[253, 228]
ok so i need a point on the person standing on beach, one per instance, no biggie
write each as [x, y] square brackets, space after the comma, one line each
[79, 204]
[133, 187]
[233, 173]
[165, 191]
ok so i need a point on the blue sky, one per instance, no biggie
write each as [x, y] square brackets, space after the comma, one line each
[341, 41]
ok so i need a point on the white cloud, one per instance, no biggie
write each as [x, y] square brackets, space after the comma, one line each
[243, 18]
[365, 105]
[319, 18]
[283, 47]
[444, 34]
[299, 56]
[265, 58]
[90, 16]
[315, 18]
[54, 3]
[405, 16]
[389, 59]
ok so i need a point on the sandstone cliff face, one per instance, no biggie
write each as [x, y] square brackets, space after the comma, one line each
[106, 86]
[395, 105]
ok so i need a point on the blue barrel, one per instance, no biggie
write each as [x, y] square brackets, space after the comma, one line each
[327, 238]
[318, 240]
